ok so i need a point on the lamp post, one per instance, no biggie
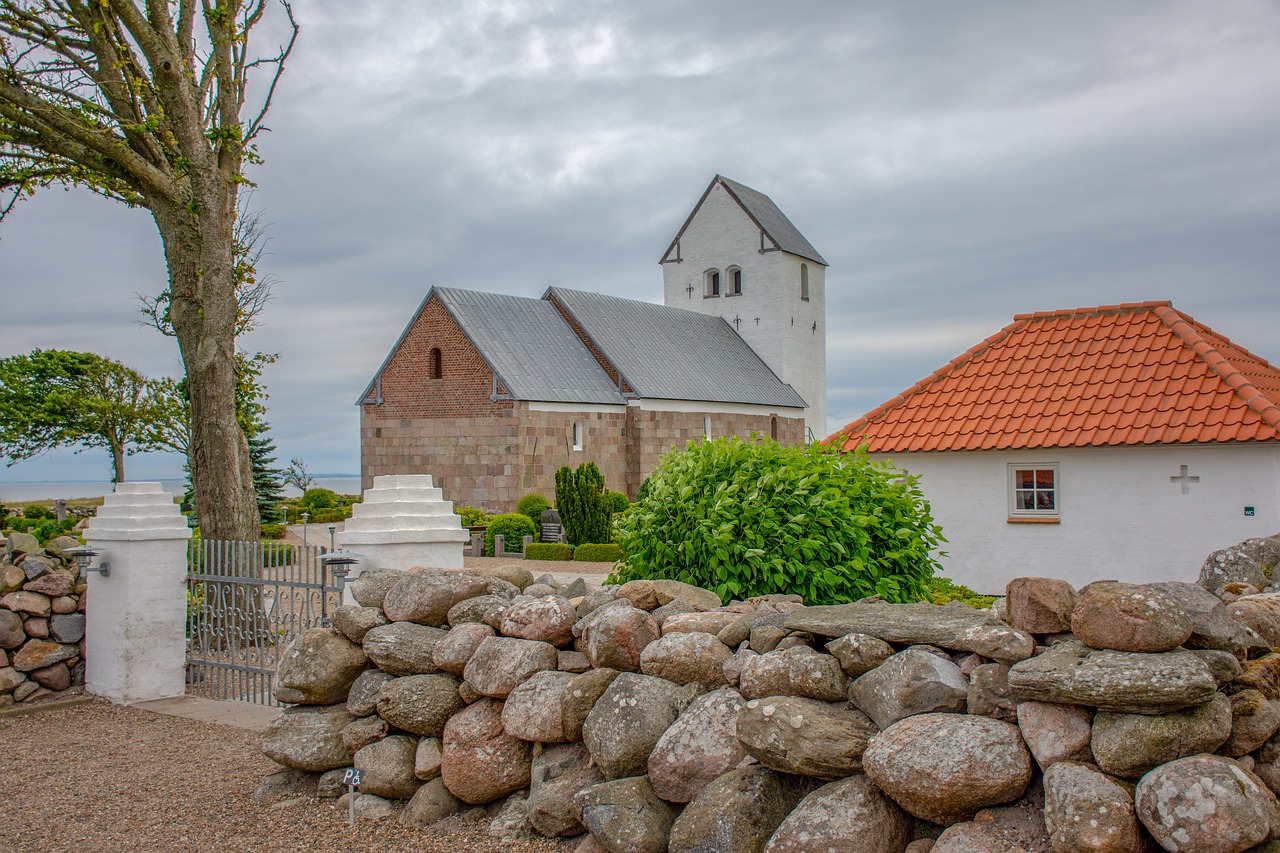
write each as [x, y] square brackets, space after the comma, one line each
[305, 516]
[332, 529]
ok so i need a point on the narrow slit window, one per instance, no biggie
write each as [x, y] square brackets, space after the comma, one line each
[577, 435]
[773, 427]
[804, 282]
[437, 363]
[706, 425]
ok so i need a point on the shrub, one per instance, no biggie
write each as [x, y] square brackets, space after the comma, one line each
[548, 551]
[271, 531]
[940, 590]
[589, 552]
[643, 491]
[513, 526]
[472, 516]
[745, 518]
[50, 528]
[616, 501]
[581, 503]
[319, 498]
[277, 554]
[37, 512]
[532, 506]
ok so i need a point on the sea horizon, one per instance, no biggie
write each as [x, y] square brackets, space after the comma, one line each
[16, 491]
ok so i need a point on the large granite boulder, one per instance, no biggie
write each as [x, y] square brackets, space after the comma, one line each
[944, 767]
[699, 746]
[553, 809]
[420, 704]
[1230, 565]
[848, 814]
[795, 671]
[425, 597]
[483, 609]
[353, 621]
[1129, 618]
[911, 682]
[1055, 733]
[308, 737]
[666, 591]
[534, 710]
[686, 658]
[805, 737]
[1254, 719]
[480, 761]
[455, 649]
[370, 589]
[580, 697]
[386, 768]
[626, 816]
[615, 635]
[403, 648]
[1212, 627]
[431, 804]
[1070, 673]
[11, 633]
[859, 653]
[362, 698]
[318, 668]
[737, 812]
[628, 720]
[1086, 810]
[956, 628]
[549, 619]
[1040, 605]
[1261, 614]
[1205, 804]
[500, 664]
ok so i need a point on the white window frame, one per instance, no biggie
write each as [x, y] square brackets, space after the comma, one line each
[1014, 511]
[733, 282]
[577, 435]
[712, 284]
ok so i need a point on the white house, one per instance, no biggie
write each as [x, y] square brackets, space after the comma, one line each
[1124, 441]
[739, 257]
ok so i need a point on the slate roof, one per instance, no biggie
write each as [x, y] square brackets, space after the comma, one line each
[673, 354]
[527, 344]
[770, 219]
[1134, 374]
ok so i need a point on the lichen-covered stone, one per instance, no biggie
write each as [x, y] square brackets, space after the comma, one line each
[805, 737]
[699, 746]
[846, 815]
[1205, 804]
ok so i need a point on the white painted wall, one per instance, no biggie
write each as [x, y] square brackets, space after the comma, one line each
[1121, 517]
[722, 236]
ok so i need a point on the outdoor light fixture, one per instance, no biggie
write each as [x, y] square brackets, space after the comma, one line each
[83, 555]
[340, 563]
[332, 529]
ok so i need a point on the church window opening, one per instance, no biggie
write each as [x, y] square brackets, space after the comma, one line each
[436, 363]
[773, 427]
[735, 282]
[804, 282]
[711, 284]
[706, 425]
[577, 435]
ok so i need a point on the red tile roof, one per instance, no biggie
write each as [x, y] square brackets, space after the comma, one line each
[1140, 373]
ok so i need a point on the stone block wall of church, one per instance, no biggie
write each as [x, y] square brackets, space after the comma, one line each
[546, 444]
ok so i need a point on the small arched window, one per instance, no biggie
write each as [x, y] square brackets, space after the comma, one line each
[735, 282]
[706, 425]
[437, 365]
[711, 283]
[577, 435]
[804, 282]
[773, 427]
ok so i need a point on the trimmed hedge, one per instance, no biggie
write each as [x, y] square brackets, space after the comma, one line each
[271, 531]
[511, 525]
[605, 552]
[617, 501]
[471, 516]
[548, 551]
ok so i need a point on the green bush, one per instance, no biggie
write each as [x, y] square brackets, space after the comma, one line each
[319, 499]
[940, 590]
[548, 551]
[643, 491]
[532, 505]
[37, 512]
[745, 518]
[316, 515]
[472, 516]
[271, 531]
[51, 528]
[277, 554]
[513, 526]
[616, 501]
[589, 552]
[581, 503]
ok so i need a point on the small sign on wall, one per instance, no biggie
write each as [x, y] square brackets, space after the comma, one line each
[1248, 512]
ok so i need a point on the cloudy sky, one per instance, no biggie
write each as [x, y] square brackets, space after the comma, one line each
[956, 163]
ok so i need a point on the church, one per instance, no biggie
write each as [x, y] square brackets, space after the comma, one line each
[492, 393]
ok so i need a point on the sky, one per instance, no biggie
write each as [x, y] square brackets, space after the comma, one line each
[955, 163]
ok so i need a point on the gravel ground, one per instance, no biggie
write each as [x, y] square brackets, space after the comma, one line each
[101, 777]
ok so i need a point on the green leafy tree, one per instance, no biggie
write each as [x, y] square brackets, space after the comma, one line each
[581, 502]
[57, 398]
[747, 518]
[148, 104]
[568, 504]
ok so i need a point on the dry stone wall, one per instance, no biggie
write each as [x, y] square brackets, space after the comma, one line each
[42, 601]
[649, 717]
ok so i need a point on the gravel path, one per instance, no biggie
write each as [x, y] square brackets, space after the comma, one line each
[101, 777]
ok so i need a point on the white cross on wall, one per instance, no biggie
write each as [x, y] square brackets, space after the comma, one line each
[1185, 479]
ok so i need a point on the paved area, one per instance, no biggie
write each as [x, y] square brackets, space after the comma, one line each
[241, 715]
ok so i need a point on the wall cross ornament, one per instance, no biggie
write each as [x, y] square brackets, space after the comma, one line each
[1184, 479]
[737, 323]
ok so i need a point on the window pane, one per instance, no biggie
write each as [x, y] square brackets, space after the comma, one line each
[1024, 479]
[1044, 500]
[1044, 478]
[1025, 500]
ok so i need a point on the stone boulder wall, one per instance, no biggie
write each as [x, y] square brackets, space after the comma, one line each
[651, 717]
[42, 602]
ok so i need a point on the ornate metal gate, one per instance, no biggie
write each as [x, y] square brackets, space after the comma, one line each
[246, 601]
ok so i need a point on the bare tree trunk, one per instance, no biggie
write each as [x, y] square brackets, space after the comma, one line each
[199, 255]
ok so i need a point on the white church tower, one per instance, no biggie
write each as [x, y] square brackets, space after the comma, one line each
[737, 256]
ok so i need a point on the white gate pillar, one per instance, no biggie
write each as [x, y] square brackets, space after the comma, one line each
[404, 521]
[135, 621]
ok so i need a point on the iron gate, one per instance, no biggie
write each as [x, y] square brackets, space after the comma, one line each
[246, 601]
